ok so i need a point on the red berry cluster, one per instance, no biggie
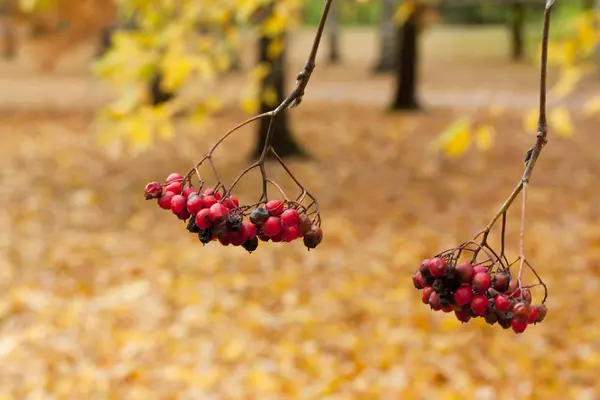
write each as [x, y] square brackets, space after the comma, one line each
[216, 217]
[474, 290]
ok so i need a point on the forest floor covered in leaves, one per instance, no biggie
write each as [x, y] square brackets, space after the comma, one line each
[104, 296]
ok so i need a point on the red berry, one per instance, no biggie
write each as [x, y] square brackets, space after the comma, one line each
[153, 190]
[463, 295]
[291, 233]
[208, 201]
[481, 282]
[249, 230]
[165, 200]
[465, 272]
[231, 202]
[479, 268]
[533, 317]
[236, 238]
[211, 192]
[290, 217]
[174, 177]
[502, 303]
[174, 187]
[185, 214]
[518, 326]
[418, 281]
[479, 305]
[463, 315]
[434, 302]
[195, 204]
[218, 212]
[542, 311]
[274, 207]
[187, 191]
[279, 237]
[272, 226]
[203, 220]
[178, 204]
[437, 267]
[224, 240]
[426, 294]
[448, 308]
[522, 311]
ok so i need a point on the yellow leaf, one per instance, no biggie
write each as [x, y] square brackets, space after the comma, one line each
[592, 106]
[249, 104]
[484, 137]
[456, 139]
[567, 82]
[560, 118]
[404, 11]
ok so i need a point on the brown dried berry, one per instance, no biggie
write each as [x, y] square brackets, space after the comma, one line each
[501, 281]
[465, 272]
[542, 311]
[313, 237]
[522, 311]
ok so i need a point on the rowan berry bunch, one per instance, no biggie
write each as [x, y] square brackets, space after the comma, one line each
[215, 215]
[473, 282]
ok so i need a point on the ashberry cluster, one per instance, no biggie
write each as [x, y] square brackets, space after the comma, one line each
[473, 290]
[215, 216]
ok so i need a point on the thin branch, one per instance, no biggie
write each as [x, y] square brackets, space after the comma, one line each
[541, 140]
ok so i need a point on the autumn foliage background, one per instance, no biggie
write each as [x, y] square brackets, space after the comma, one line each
[104, 296]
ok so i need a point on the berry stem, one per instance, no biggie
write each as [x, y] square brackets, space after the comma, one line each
[542, 128]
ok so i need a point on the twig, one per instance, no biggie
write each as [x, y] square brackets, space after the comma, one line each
[292, 100]
[542, 129]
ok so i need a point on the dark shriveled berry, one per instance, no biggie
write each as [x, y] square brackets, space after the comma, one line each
[205, 236]
[251, 244]
[313, 238]
[491, 317]
[191, 226]
[505, 320]
[259, 215]
[234, 222]
[427, 278]
[438, 285]
[463, 315]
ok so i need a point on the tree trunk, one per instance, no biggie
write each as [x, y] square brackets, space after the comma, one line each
[387, 38]
[283, 141]
[517, 31]
[333, 24]
[407, 64]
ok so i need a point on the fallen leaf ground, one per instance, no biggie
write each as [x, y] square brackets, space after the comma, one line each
[104, 296]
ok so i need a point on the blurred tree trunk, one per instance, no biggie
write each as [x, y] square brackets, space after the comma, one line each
[387, 37]
[407, 64]
[283, 141]
[333, 25]
[517, 22]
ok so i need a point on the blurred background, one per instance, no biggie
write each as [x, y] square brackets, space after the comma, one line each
[412, 132]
